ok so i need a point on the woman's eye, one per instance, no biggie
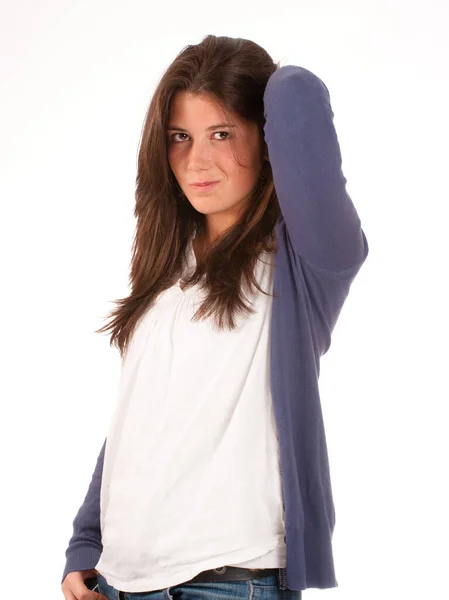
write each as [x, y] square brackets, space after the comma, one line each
[225, 132]
[175, 134]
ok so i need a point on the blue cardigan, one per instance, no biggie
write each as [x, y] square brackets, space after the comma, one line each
[321, 247]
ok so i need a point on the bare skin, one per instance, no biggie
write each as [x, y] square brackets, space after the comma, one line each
[73, 586]
[199, 150]
[198, 248]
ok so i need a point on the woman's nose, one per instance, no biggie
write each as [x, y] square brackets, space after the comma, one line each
[200, 153]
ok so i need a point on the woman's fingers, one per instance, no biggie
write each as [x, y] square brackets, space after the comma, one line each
[74, 588]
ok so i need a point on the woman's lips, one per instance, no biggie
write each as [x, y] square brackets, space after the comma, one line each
[204, 187]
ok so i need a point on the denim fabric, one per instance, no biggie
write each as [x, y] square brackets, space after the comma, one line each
[265, 588]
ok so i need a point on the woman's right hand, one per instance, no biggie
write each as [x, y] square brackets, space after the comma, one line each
[73, 586]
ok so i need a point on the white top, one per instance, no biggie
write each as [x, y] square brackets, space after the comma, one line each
[191, 476]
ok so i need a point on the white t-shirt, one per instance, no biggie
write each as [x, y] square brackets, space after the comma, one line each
[191, 476]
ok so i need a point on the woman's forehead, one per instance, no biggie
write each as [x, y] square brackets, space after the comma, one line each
[202, 111]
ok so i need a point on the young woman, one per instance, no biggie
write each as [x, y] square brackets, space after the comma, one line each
[214, 476]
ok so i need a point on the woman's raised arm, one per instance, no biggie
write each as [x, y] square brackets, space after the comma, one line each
[304, 152]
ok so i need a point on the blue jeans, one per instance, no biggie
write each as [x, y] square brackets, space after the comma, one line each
[265, 588]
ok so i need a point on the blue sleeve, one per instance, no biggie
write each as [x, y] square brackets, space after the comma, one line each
[85, 545]
[304, 152]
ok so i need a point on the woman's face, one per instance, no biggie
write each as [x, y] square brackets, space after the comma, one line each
[199, 149]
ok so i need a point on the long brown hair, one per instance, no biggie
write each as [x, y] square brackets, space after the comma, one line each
[234, 72]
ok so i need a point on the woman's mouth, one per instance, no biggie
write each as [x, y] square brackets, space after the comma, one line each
[203, 187]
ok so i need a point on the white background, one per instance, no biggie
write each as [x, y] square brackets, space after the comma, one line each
[76, 80]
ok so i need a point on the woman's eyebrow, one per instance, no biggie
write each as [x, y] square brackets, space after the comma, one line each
[173, 127]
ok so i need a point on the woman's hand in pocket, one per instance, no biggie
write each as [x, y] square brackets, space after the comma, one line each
[74, 588]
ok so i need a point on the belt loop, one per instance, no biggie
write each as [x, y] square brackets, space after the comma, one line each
[282, 579]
